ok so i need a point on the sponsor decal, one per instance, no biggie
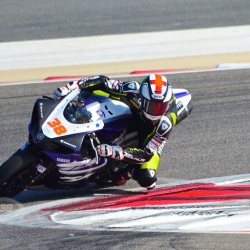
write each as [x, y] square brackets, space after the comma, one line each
[164, 126]
[40, 136]
[41, 109]
[157, 96]
[40, 168]
[151, 146]
[131, 85]
[156, 142]
[24, 146]
[67, 143]
[62, 160]
[82, 81]
[132, 157]
[93, 77]
[100, 113]
[152, 172]
[179, 105]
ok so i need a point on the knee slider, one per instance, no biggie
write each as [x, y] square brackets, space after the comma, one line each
[145, 177]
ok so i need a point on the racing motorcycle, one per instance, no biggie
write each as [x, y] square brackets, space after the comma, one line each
[63, 135]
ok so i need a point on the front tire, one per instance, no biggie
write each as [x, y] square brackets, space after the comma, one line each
[14, 173]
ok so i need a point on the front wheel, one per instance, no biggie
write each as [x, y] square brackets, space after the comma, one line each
[15, 172]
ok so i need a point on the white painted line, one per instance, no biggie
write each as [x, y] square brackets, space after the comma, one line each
[233, 181]
[126, 47]
[233, 65]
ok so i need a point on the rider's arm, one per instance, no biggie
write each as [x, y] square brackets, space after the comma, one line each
[172, 112]
[154, 143]
[111, 86]
[99, 82]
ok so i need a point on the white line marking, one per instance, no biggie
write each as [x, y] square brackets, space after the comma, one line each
[126, 47]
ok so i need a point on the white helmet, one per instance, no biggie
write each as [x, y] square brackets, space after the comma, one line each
[156, 96]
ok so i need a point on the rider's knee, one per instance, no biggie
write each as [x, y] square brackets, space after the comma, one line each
[145, 177]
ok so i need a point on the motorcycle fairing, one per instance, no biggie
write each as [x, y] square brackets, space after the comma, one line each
[102, 110]
[106, 109]
[40, 113]
[183, 97]
[105, 115]
[74, 168]
[56, 124]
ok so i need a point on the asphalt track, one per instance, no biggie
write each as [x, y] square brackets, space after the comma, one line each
[32, 20]
[213, 141]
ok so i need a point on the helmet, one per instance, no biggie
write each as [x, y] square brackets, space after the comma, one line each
[156, 96]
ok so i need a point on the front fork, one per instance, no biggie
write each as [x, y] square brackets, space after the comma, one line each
[30, 160]
[44, 165]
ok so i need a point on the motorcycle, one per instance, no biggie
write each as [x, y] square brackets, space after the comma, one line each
[63, 135]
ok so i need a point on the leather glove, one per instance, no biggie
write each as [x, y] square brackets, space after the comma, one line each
[115, 152]
[62, 91]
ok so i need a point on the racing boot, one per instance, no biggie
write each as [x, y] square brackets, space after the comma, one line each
[115, 177]
[122, 177]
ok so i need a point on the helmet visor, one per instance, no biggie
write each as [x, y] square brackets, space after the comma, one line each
[154, 108]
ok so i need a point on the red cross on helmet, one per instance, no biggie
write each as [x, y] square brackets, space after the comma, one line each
[156, 96]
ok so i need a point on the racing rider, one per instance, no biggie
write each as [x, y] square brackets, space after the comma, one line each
[153, 104]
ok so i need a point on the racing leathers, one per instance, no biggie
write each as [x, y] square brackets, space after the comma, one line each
[144, 160]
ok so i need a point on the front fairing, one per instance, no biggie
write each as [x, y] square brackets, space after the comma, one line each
[56, 125]
[50, 129]
[53, 130]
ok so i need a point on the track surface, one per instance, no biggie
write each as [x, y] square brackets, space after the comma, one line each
[30, 20]
[213, 141]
